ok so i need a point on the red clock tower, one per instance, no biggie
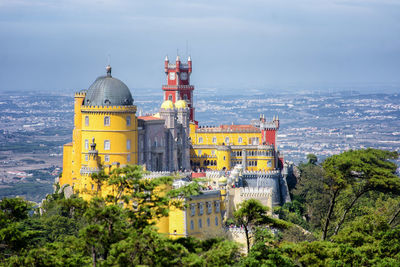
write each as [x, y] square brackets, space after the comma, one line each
[178, 82]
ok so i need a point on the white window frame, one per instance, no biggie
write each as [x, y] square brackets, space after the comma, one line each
[106, 158]
[240, 140]
[214, 140]
[107, 145]
[226, 140]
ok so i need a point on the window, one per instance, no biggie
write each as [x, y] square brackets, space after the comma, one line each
[128, 144]
[199, 152]
[200, 225]
[107, 145]
[240, 140]
[86, 157]
[214, 140]
[86, 144]
[192, 210]
[191, 225]
[200, 140]
[209, 207]
[128, 120]
[86, 120]
[201, 208]
[107, 121]
[226, 140]
[106, 158]
[208, 222]
[128, 158]
[170, 97]
[217, 206]
[216, 221]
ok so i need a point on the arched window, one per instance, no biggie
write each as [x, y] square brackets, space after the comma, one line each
[240, 140]
[128, 120]
[107, 121]
[86, 120]
[191, 225]
[216, 221]
[200, 140]
[214, 140]
[226, 140]
[128, 144]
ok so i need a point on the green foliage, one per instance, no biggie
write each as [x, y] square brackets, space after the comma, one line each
[356, 190]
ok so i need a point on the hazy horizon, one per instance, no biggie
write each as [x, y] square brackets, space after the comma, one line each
[262, 45]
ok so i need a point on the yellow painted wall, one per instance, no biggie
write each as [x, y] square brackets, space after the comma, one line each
[66, 177]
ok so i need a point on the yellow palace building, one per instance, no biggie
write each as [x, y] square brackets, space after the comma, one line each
[107, 133]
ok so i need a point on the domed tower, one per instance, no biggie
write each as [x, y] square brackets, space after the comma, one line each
[105, 113]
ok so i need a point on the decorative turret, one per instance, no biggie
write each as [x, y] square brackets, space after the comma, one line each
[166, 62]
[178, 64]
[190, 64]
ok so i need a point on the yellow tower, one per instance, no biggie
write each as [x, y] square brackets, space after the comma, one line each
[106, 114]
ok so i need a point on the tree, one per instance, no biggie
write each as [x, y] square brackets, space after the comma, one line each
[312, 159]
[361, 171]
[252, 213]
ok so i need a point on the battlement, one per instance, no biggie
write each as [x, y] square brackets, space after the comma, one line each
[88, 171]
[108, 108]
[255, 192]
[80, 94]
[176, 87]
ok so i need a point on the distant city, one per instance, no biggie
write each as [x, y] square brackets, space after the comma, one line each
[34, 126]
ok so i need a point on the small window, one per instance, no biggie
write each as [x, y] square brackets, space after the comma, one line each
[191, 225]
[209, 207]
[107, 145]
[192, 210]
[214, 140]
[170, 97]
[106, 158]
[217, 206]
[128, 144]
[240, 140]
[86, 144]
[128, 158]
[107, 121]
[200, 225]
[199, 152]
[86, 120]
[208, 222]
[86, 157]
[226, 140]
[128, 120]
[216, 221]
[200, 140]
[201, 208]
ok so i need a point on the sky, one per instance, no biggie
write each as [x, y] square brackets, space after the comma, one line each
[234, 45]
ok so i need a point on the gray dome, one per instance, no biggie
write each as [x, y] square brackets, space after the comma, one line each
[108, 91]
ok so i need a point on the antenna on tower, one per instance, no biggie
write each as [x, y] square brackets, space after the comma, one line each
[187, 48]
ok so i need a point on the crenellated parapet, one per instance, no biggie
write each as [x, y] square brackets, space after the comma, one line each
[255, 192]
[109, 109]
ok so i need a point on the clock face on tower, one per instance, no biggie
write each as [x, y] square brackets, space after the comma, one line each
[184, 76]
[172, 75]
